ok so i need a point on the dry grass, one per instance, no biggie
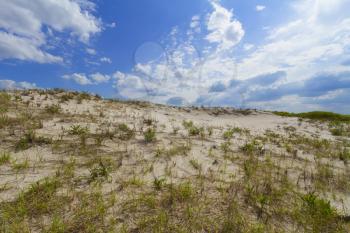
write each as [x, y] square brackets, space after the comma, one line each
[112, 166]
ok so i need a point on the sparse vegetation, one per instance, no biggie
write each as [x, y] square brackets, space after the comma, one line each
[4, 158]
[325, 116]
[97, 174]
[30, 139]
[150, 135]
[125, 133]
[53, 109]
[4, 102]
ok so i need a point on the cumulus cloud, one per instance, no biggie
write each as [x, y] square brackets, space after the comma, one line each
[248, 47]
[301, 63]
[223, 28]
[26, 25]
[100, 78]
[83, 79]
[260, 7]
[6, 84]
[112, 25]
[106, 60]
[91, 51]
[80, 79]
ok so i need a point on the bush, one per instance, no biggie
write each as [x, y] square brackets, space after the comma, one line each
[4, 102]
[150, 135]
[317, 115]
[125, 133]
[30, 139]
[53, 109]
[78, 130]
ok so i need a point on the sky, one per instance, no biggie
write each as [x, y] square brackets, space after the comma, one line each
[285, 55]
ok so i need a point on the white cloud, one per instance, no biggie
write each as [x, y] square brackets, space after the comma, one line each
[106, 60]
[112, 25]
[248, 47]
[80, 79]
[83, 79]
[22, 23]
[292, 53]
[260, 7]
[7, 84]
[223, 28]
[91, 51]
[304, 46]
[12, 46]
[99, 78]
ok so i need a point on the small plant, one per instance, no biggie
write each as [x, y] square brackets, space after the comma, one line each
[83, 96]
[66, 97]
[4, 120]
[30, 139]
[195, 164]
[135, 181]
[78, 130]
[148, 121]
[226, 147]
[99, 172]
[5, 158]
[20, 166]
[344, 155]
[210, 131]
[158, 183]
[125, 133]
[150, 135]
[319, 214]
[4, 102]
[183, 192]
[187, 124]
[53, 109]
[228, 134]
[253, 148]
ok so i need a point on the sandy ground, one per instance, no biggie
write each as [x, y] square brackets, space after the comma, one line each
[135, 156]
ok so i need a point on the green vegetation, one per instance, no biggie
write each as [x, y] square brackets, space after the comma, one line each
[317, 115]
[53, 109]
[78, 130]
[150, 135]
[30, 139]
[5, 158]
[125, 133]
[4, 102]
[205, 176]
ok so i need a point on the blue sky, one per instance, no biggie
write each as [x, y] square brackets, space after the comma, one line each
[266, 54]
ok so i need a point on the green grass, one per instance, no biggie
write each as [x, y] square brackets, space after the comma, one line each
[53, 109]
[150, 135]
[30, 139]
[5, 100]
[317, 115]
[5, 158]
[125, 133]
[78, 130]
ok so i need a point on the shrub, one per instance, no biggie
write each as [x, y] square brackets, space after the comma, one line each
[125, 133]
[158, 183]
[150, 135]
[99, 172]
[29, 139]
[4, 102]
[317, 115]
[4, 158]
[319, 214]
[53, 109]
[78, 130]
[4, 120]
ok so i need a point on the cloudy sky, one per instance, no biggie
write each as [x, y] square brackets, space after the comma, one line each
[269, 54]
